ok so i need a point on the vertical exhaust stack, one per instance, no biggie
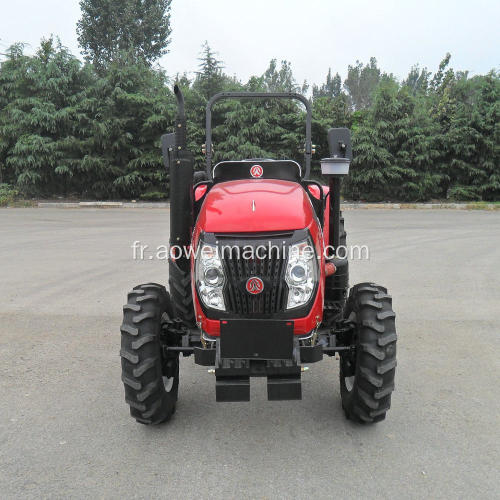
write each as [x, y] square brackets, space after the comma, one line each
[179, 161]
[181, 184]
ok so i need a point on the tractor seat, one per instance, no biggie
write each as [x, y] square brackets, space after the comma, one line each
[258, 168]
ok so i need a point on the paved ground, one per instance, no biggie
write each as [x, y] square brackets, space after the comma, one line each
[65, 430]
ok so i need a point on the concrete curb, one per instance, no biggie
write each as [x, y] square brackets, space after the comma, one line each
[421, 206]
[344, 206]
[101, 204]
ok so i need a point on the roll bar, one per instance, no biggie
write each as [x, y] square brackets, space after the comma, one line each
[259, 95]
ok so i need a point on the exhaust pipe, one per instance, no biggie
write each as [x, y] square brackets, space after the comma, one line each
[181, 186]
[180, 129]
[181, 217]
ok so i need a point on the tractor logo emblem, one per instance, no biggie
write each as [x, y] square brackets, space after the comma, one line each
[254, 285]
[256, 171]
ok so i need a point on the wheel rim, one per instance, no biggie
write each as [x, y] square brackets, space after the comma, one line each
[168, 382]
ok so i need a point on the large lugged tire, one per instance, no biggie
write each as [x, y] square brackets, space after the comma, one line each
[179, 283]
[151, 381]
[367, 374]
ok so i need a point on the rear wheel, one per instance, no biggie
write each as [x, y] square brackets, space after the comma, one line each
[367, 372]
[151, 379]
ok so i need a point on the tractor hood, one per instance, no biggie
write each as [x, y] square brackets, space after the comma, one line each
[259, 205]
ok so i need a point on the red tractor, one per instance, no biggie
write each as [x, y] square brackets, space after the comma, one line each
[257, 285]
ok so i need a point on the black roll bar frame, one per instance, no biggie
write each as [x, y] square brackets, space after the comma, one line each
[258, 95]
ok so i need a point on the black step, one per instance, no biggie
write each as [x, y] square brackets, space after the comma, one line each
[232, 389]
[284, 388]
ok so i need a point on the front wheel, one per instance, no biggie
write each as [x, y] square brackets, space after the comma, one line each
[367, 372]
[151, 379]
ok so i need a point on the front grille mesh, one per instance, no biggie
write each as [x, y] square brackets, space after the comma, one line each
[270, 269]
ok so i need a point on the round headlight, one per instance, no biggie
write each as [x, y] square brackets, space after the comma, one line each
[298, 273]
[213, 276]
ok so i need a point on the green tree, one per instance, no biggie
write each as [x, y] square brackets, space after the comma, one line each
[471, 138]
[12, 73]
[361, 82]
[127, 110]
[443, 76]
[93, 130]
[331, 88]
[414, 149]
[374, 172]
[279, 80]
[488, 119]
[210, 79]
[110, 27]
[417, 80]
[39, 122]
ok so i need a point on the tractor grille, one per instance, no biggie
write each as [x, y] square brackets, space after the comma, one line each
[269, 265]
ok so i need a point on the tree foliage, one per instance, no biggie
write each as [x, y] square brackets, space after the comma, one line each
[361, 82]
[92, 130]
[331, 88]
[210, 78]
[109, 28]
[38, 122]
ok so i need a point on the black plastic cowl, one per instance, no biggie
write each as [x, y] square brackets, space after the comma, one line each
[181, 217]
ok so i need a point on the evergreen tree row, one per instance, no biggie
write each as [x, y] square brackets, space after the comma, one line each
[92, 130]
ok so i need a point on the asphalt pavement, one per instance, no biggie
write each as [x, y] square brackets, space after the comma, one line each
[65, 430]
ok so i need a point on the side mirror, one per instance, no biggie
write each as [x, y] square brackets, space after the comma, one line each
[339, 144]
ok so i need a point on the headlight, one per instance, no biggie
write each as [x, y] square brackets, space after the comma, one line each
[301, 274]
[210, 277]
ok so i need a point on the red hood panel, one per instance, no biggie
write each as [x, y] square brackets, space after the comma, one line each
[255, 206]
